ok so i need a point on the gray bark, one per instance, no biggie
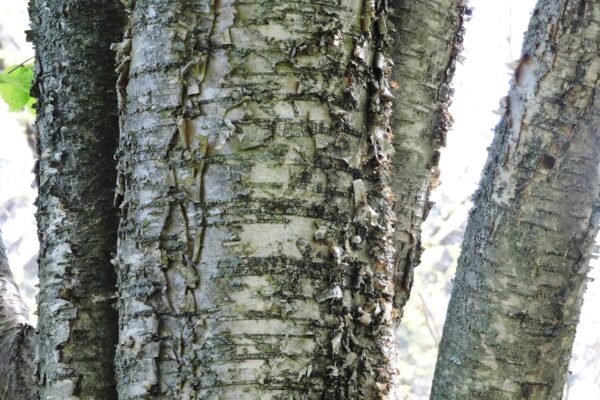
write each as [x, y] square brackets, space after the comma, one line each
[427, 42]
[17, 339]
[77, 135]
[257, 253]
[518, 290]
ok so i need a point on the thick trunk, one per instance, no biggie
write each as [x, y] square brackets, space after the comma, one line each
[256, 245]
[78, 130]
[17, 339]
[518, 290]
[257, 248]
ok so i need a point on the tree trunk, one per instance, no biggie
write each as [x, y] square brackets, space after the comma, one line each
[78, 130]
[518, 289]
[427, 42]
[17, 339]
[257, 244]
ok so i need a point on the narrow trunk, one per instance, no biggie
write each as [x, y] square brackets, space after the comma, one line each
[427, 42]
[77, 134]
[17, 339]
[518, 289]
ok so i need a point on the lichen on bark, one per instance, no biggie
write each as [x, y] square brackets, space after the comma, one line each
[518, 290]
[256, 244]
[77, 128]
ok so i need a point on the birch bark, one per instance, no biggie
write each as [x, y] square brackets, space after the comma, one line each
[257, 253]
[427, 42]
[17, 339]
[518, 290]
[77, 134]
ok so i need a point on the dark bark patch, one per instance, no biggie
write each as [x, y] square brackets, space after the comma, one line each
[548, 161]
[525, 61]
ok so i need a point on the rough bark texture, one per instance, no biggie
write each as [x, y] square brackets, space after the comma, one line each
[427, 42]
[257, 248]
[519, 285]
[77, 135]
[256, 254]
[17, 339]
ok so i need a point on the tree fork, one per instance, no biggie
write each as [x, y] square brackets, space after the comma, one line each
[257, 248]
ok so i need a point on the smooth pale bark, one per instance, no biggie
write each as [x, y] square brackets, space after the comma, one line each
[518, 290]
[17, 339]
[77, 136]
[257, 244]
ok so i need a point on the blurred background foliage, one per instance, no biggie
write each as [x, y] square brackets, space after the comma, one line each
[17, 150]
[492, 43]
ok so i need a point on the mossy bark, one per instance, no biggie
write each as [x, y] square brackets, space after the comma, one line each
[77, 127]
[257, 252]
[518, 290]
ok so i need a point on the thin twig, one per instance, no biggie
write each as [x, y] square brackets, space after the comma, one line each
[20, 65]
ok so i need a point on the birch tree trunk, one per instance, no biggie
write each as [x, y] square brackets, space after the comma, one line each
[257, 249]
[518, 290]
[427, 41]
[77, 135]
[17, 339]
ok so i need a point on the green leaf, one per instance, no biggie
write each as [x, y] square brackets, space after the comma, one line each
[15, 83]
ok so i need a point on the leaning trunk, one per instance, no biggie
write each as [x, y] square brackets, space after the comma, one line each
[518, 289]
[77, 134]
[17, 339]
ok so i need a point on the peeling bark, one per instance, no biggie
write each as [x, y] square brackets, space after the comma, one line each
[518, 290]
[257, 252]
[77, 136]
[17, 339]
[256, 249]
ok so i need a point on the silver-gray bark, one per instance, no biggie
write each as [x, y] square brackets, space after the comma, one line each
[77, 127]
[258, 252]
[427, 42]
[518, 290]
[17, 339]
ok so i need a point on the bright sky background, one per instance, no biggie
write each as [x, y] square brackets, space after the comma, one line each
[493, 40]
